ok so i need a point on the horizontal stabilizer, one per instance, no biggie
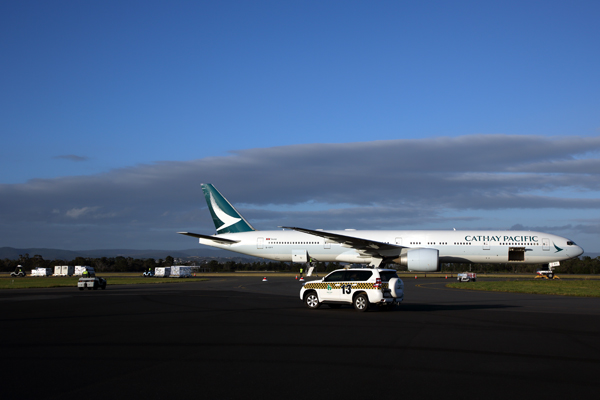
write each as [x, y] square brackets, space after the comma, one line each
[213, 238]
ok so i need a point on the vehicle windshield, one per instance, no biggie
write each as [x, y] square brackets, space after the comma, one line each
[387, 275]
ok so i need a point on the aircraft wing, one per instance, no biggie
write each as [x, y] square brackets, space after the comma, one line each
[213, 238]
[364, 246]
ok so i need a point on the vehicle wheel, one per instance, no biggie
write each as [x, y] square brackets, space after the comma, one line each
[474, 279]
[334, 305]
[361, 303]
[89, 288]
[312, 301]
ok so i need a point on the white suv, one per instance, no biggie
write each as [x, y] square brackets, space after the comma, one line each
[360, 287]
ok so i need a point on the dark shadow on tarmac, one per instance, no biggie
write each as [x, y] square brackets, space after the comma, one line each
[451, 307]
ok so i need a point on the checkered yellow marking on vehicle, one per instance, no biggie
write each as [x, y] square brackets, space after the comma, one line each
[354, 285]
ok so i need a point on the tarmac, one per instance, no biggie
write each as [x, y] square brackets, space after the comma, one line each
[239, 337]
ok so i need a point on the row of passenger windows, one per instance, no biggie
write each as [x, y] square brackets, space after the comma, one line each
[292, 242]
[429, 243]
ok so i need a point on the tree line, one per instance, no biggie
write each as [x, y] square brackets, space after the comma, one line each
[583, 265]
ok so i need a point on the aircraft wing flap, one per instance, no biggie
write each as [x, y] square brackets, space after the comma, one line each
[213, 238]
[364, 246]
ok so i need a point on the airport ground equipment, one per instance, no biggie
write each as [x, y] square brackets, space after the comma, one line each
[91, 281]
[162, 272]
[466, 277]
[80, 268]
[181, 271]
[64, 270]
[41, 271]
[359, 287]
[19, 272]
[548, 273]
[148, 274]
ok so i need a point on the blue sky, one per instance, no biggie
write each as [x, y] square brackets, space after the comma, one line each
[134, 91]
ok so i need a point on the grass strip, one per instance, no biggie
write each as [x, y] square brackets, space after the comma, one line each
[582, 288]
[52, 281]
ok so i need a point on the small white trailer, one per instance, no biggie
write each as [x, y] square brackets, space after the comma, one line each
[41, 272]
[64, 270]
[181, 271]
[80, 268]
[162, 272]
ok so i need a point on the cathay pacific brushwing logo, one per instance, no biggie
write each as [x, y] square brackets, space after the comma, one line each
[558, 249]
[225, 218]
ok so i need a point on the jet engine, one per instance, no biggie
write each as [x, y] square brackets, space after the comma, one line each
[420, 260]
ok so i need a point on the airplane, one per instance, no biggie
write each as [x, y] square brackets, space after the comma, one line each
[418, 250]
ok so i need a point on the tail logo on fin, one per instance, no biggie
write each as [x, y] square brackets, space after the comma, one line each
[225, 218]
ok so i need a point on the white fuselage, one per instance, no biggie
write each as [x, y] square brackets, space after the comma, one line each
[453, 246]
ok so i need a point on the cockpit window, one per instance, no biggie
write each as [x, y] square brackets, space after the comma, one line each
[570, 243]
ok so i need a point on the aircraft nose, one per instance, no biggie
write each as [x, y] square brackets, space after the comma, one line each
[579, 251]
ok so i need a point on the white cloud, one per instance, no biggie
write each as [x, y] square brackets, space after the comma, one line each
[78, 212]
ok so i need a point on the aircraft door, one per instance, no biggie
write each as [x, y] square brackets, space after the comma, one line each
[399, 241]
[299, 256]
[545, 244]
[259, 243]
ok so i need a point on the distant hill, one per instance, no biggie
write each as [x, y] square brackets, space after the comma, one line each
[56, 254]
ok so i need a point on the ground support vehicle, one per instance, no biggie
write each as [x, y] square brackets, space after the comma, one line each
[18, 272]
[360, 287]
[148, 274]
[91, 281]
[466, 277]
[548, 273]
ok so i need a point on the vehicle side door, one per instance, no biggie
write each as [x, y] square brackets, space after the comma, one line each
[354, 280]
[333, 283]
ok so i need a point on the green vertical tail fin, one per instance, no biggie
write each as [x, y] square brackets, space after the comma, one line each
[226, 218]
